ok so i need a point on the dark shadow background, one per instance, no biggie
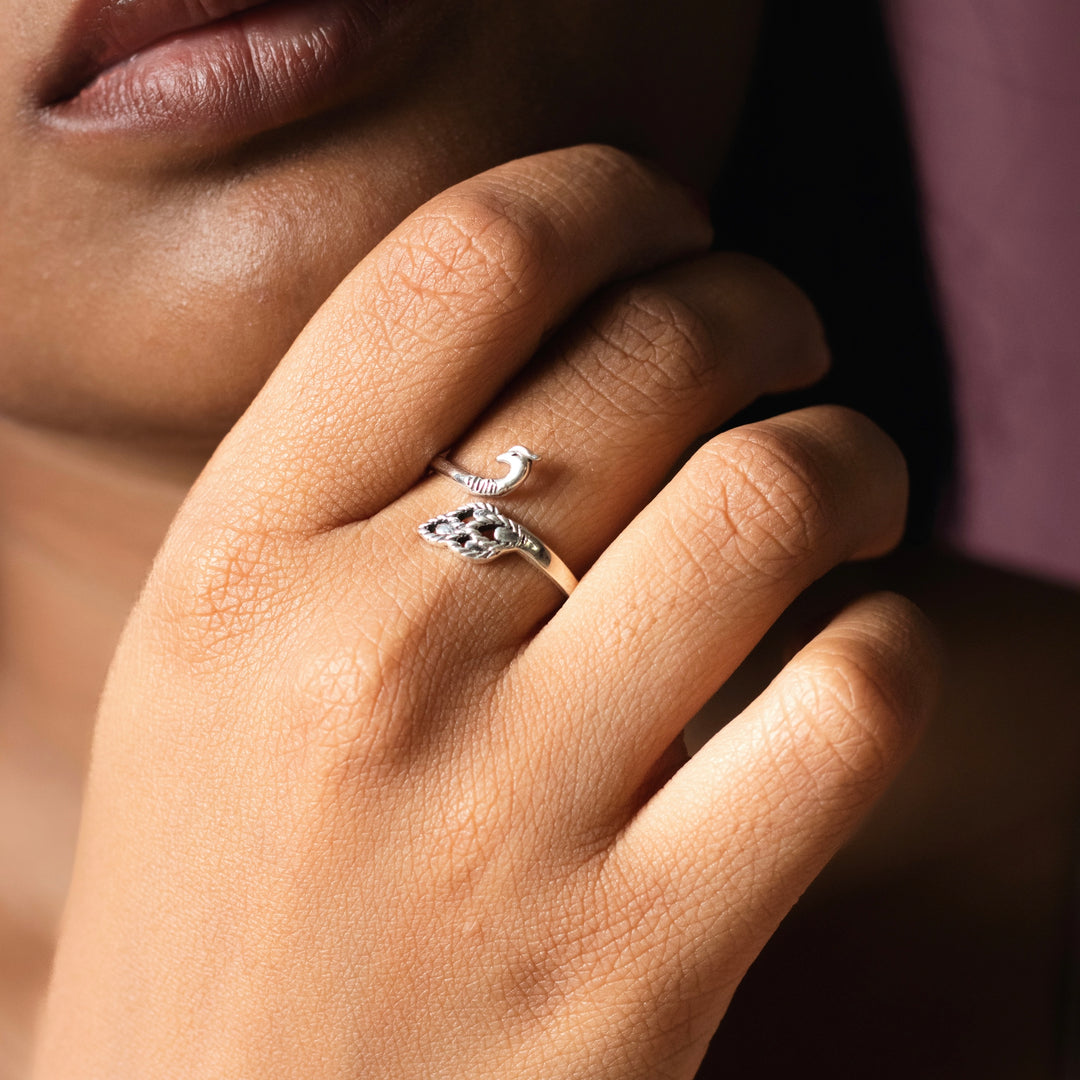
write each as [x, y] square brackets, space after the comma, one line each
[820, 184]
[938, 944]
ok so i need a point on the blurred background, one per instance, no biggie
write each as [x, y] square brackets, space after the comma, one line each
[915, 166]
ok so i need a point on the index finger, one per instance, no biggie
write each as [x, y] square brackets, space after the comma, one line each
[420, 337]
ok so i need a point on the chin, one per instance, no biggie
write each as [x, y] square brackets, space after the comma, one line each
[190, 311]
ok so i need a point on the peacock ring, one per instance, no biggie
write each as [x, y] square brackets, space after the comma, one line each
[481, 532]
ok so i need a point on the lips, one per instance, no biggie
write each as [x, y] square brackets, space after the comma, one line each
[215, 68]
[100, 35]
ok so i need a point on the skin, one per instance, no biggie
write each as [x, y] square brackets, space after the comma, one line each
[436, 802]
[239, 245]
[307, 739]
[119, 264]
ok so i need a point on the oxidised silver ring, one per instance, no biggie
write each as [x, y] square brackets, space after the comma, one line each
[481, 532]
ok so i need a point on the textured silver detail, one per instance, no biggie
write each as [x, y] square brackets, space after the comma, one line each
[480, 532]
[518, 458]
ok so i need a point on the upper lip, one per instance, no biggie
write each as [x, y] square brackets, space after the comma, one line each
[102, 33]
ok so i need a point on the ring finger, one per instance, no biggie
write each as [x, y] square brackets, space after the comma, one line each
[611, 407]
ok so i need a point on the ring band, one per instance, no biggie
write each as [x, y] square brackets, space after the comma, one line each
[480, 532]
[517, 457]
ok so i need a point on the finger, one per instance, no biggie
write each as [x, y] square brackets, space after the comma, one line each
[418, 339]
[684, 593]
[726, 847]
[611, 408]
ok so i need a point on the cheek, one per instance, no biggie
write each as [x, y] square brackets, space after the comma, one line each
[138, 295]
[135, 298]
[166, 308]
[145, 296]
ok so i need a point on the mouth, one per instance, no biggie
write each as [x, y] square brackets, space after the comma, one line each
[215, 68]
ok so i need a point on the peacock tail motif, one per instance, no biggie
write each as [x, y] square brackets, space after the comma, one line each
[478, 531]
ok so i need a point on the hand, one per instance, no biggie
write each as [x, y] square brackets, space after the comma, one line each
[359, 808]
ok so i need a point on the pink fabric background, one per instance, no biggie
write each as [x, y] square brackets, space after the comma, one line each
[993, 96]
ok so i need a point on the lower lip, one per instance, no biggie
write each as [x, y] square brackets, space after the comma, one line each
[258, 70]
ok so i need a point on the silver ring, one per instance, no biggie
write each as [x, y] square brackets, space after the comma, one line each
[518, 458]
[481, 532]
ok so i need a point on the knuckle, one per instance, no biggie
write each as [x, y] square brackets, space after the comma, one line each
[219, 591]
[347, 704]
[859, 719]
[326, 683]
[774, 493]
[475, 240]
[653, 345]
